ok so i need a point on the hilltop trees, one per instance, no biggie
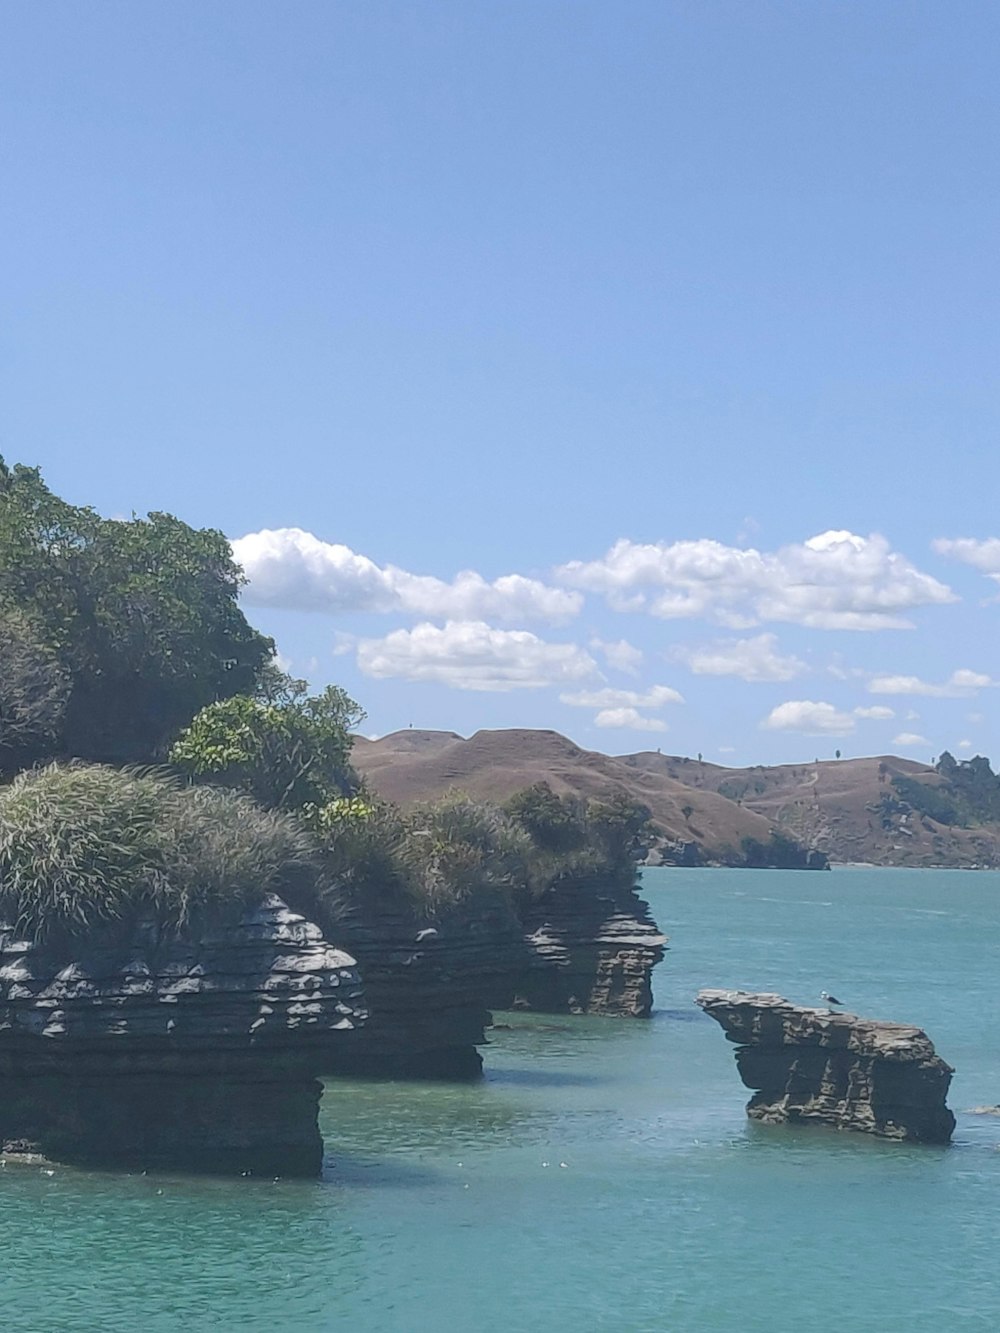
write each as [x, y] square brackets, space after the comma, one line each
[140, 617]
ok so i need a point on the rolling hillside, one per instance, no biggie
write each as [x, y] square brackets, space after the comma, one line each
[882, 810]
[697, 825]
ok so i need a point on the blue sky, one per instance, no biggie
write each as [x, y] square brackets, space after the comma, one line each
[634, 301]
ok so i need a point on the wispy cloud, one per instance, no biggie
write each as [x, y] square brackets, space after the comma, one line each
[628, 719]
[754, 659]
[655, 697]
[961, 684]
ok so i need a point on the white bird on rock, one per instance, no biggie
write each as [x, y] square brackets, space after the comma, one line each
[830, 999]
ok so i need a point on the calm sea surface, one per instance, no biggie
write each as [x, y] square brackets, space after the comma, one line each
[604, 1175]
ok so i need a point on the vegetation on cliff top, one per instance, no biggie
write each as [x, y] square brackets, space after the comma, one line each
[83, 847]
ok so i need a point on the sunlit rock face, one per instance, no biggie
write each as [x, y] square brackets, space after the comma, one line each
[198, 1052]
[813, 1065]
[592, 950]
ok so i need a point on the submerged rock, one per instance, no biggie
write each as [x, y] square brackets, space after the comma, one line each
[155, 1051]
[813, 1065]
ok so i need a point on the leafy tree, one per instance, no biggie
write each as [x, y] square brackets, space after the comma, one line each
[294, 754]
[142, 615]
[34, 690]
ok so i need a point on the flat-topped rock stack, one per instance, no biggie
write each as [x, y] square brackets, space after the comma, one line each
[814, 1066]
[154, 1050]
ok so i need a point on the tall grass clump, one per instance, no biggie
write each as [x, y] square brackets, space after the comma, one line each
[86, 846]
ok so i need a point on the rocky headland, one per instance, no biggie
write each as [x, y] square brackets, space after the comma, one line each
[815, 1066]
[148, 1049]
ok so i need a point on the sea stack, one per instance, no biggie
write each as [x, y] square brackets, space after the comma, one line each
[813, 1066]
[148, 1049]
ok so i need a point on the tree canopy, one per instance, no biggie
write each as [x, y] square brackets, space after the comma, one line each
[289, 754]
[141, 615]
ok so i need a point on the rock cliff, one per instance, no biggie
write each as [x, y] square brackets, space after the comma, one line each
[592, 950]
[182, 1053]
[812, 1065]
[429, 991]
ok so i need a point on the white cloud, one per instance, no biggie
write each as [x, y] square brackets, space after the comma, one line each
[965, 745]
[630, 719]
[909, 739]
[960, 685]
[655, 697]
[877, 713]
[295, 570]
[836, 580]
[727, 749]
[471, 655]
[810, 718]
[620, 655]
[755, 659]
[981, 555]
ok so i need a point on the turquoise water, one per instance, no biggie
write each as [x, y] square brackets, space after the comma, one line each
[603, 1176]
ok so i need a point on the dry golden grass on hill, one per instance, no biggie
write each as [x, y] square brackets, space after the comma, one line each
[847, 808]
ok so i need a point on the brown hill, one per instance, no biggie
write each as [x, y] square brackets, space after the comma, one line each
[410, 766]
[851, 809]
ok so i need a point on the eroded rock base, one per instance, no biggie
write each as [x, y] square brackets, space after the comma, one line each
[229, 1118]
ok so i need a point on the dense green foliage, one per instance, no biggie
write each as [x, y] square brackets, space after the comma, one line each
[968, 793]
[34, 691]
[86, 846]
[291, 754]
[141, 616]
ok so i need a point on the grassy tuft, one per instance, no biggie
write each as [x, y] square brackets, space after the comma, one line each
[84, 846]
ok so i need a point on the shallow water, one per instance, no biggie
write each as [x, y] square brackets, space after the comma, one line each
[603, 1176]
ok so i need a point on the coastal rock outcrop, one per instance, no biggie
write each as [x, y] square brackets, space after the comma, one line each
[815, 1066]
[430, 991]
[591, 951]
[153, 1050]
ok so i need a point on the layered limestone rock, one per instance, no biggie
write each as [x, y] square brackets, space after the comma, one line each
[592, 950]
[813, 1065]
[155, 1051]
[430, 991]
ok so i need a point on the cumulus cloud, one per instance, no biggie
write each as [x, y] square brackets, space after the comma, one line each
[960, 684]
[908, 739]
[982, 555]
[877, 713]
[754, 659]
[655, 697]
[836, 580]
[965, 745]
[471, 655]
[295, 570]
[810, 718]
[629, 719]
[620, 655]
